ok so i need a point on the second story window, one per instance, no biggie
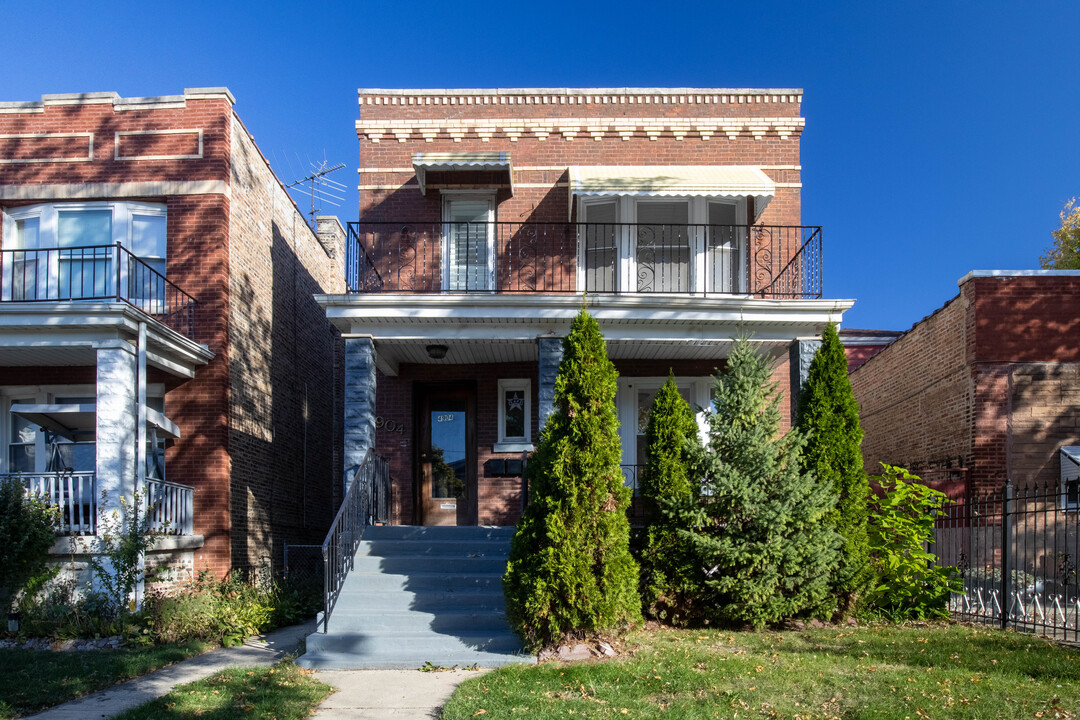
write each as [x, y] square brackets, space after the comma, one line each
[468, 242]
[64, 251]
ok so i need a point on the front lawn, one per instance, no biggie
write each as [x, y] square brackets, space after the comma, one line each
[31, 680]
[933, 671]
[283, 692]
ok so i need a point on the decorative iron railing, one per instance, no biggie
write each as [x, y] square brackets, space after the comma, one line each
[171, 507]
[1017, 554]
[766, 261]
[74, 494]
[109, 272]
[366, 502]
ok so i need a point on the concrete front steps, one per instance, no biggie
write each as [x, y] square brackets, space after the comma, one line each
[417, 595]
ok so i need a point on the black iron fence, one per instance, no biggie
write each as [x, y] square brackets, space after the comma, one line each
[767, 261]
[1017, 553]
[366, 502]
[107, 272]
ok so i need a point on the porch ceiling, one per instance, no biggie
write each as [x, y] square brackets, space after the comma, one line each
[53, 334]
[501, 328]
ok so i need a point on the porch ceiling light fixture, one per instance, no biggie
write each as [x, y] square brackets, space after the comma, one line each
[436, 352]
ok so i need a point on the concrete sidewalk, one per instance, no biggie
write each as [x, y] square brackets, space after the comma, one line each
[388, 694]
[259, 651]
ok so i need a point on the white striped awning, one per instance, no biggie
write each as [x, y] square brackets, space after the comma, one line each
[673, 181]
[461, 162]
[79, 421]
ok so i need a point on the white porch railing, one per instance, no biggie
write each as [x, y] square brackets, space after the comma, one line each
[74, 493]
[171, 507]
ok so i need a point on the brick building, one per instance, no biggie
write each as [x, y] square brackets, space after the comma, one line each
[986, 389]
[158, 328]
[486, 215]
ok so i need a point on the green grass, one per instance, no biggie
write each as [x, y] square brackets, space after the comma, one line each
[879, 672]
[32, 680]
[282, 692]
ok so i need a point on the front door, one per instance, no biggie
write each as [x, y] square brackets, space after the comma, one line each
[447, 456]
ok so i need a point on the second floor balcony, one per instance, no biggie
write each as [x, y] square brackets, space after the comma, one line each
[759, 261]
[95, 273]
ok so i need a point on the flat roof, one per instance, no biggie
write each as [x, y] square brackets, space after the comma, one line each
[582, 91]
[1017, 273]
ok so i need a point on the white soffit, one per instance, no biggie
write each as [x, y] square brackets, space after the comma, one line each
[672, 181]
[461, 162]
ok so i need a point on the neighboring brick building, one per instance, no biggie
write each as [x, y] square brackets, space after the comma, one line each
[159, 217]
[987, 387]
[487, 214]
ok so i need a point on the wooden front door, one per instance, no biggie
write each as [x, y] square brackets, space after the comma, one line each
[447, 456]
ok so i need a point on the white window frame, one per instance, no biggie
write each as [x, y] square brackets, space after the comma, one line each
[44, 394]
[48, 214]
[626, 242]
[520, 443]
[626, 399]
[471, 195]
[1069, 472]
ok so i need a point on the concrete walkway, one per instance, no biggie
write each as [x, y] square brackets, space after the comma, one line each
[259, 651]
[388, 694]
[360, 694]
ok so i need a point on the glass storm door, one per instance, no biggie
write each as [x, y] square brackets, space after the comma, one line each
[448, 458]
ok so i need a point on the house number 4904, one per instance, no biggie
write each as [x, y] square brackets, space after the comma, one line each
[389, 425]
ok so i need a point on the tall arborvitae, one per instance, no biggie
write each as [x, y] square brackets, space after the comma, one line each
[758, 531]
[570, 570]
[669, 584]
[829, 418]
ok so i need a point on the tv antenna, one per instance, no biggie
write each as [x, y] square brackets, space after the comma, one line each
[320, 188]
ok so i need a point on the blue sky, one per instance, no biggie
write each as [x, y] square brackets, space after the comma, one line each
[940, 136]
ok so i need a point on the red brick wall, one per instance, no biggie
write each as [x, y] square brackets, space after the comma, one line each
[389, 190]
[252, 264]
[916, 396]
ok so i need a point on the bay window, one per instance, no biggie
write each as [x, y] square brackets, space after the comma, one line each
[66, 251]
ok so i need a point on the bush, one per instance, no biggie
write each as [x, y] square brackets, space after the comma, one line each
[27, 531]
[126, 535]
[909, 582]
[570, 570]
[669, 584]
[829, 420]
[758, 529]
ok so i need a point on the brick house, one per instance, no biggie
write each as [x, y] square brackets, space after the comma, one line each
[983, 390]
[486, 215]
[158, 328]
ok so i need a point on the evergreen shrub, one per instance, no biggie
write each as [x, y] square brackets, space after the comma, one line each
[759, 530]
[570, 571]
[829, 420]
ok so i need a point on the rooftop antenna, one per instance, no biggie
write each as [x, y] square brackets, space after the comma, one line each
[320, 188]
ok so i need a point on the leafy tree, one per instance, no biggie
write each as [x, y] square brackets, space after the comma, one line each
[668, 579]
[570, 570]
[829, 420]
[27, 531]
[759, 529]
[909, 582]
[1064, 254]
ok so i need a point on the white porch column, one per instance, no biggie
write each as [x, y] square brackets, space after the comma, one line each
[116, 420]
[360, 377]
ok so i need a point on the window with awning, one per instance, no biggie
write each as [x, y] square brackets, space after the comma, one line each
[461, 170]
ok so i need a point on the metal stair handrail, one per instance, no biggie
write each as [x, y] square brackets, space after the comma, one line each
[366, 501]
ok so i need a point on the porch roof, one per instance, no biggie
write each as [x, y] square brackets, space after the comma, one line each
[69, 333]
[502, 328]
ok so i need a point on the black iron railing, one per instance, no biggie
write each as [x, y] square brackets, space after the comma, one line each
[109, 272]
[366, 502]
[767, 261]
[1017, 553]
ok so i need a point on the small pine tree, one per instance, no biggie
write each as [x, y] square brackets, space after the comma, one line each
[669, 585]
[829, 419]
[758, 530]
[570, 570]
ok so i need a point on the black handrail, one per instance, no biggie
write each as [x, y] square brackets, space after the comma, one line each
[108, 272]
[766, 261]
